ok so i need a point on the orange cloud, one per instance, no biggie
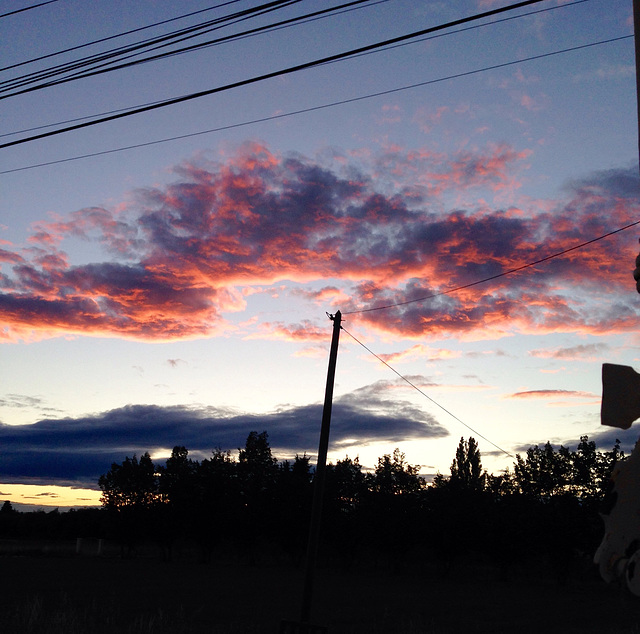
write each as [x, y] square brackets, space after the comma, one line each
[565, 396]
[174, 260]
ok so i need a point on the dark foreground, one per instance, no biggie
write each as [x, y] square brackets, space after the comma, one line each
[67, 594]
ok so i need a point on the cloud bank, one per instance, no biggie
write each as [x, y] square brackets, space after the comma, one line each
[171, 263]
[76, 451]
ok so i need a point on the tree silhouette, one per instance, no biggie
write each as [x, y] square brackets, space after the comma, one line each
[257, 468]
[592, 469]
[466, 469]
[129, 493]
[543, 472]
[538, 514]
[394, 476]
[177, 479]
[292, 506]
[346, 489]
[218, 501]
[178, 493]
[584, 473]
[346, 483]
[132, 484]
[257, 473]
[392, 506]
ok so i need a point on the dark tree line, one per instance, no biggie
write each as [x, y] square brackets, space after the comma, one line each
[539, 516]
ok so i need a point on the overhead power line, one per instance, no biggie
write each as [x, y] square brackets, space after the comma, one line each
[108, 66]
[113, 37]
[33, 6]
[310, 109]
[273, 74]
[494, 277]
[415, 387]
[277, 26]
[426, 39]
[103, 60]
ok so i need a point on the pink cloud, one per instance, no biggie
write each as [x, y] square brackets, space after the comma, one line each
[9, 256]
[559, 398]
[553, 394]
[173, 261]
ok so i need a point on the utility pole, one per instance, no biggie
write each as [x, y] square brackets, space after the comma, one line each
[636, 36]
[318, 485]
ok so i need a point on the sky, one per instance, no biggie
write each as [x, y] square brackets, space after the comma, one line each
[167, 277]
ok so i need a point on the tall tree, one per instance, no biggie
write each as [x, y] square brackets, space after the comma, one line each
[177, 489]
[257, 473]
[292, 506]
[544, 472]
[218, 501]
[466, 468]
[394, 475]
[176, 479]
[346, 483]
[132, 484]
[257, 467]
[130, 493]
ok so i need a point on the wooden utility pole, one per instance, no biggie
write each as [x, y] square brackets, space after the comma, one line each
[318, 481]
[636, 35]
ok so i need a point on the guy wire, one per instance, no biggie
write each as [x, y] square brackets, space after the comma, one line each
[415, 387]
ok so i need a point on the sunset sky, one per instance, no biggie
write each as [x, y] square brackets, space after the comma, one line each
[166, 276]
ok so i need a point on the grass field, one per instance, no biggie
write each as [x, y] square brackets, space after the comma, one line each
[67, 594]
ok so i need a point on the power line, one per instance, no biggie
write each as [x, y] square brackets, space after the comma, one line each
[112, 37]
[108, 66]
[279, 73]
[312, 108]
[33, 6]
[134, 49]
[494, 277]
[415, 387]
[278, 26]
[316, 16]
[479, 26]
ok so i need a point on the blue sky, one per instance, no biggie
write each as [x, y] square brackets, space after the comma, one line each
[176, 293]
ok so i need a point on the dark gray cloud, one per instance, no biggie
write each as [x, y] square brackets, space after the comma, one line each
[78, 450]
[606, 437]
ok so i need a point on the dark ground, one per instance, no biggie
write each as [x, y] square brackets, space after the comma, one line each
[42, 593]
